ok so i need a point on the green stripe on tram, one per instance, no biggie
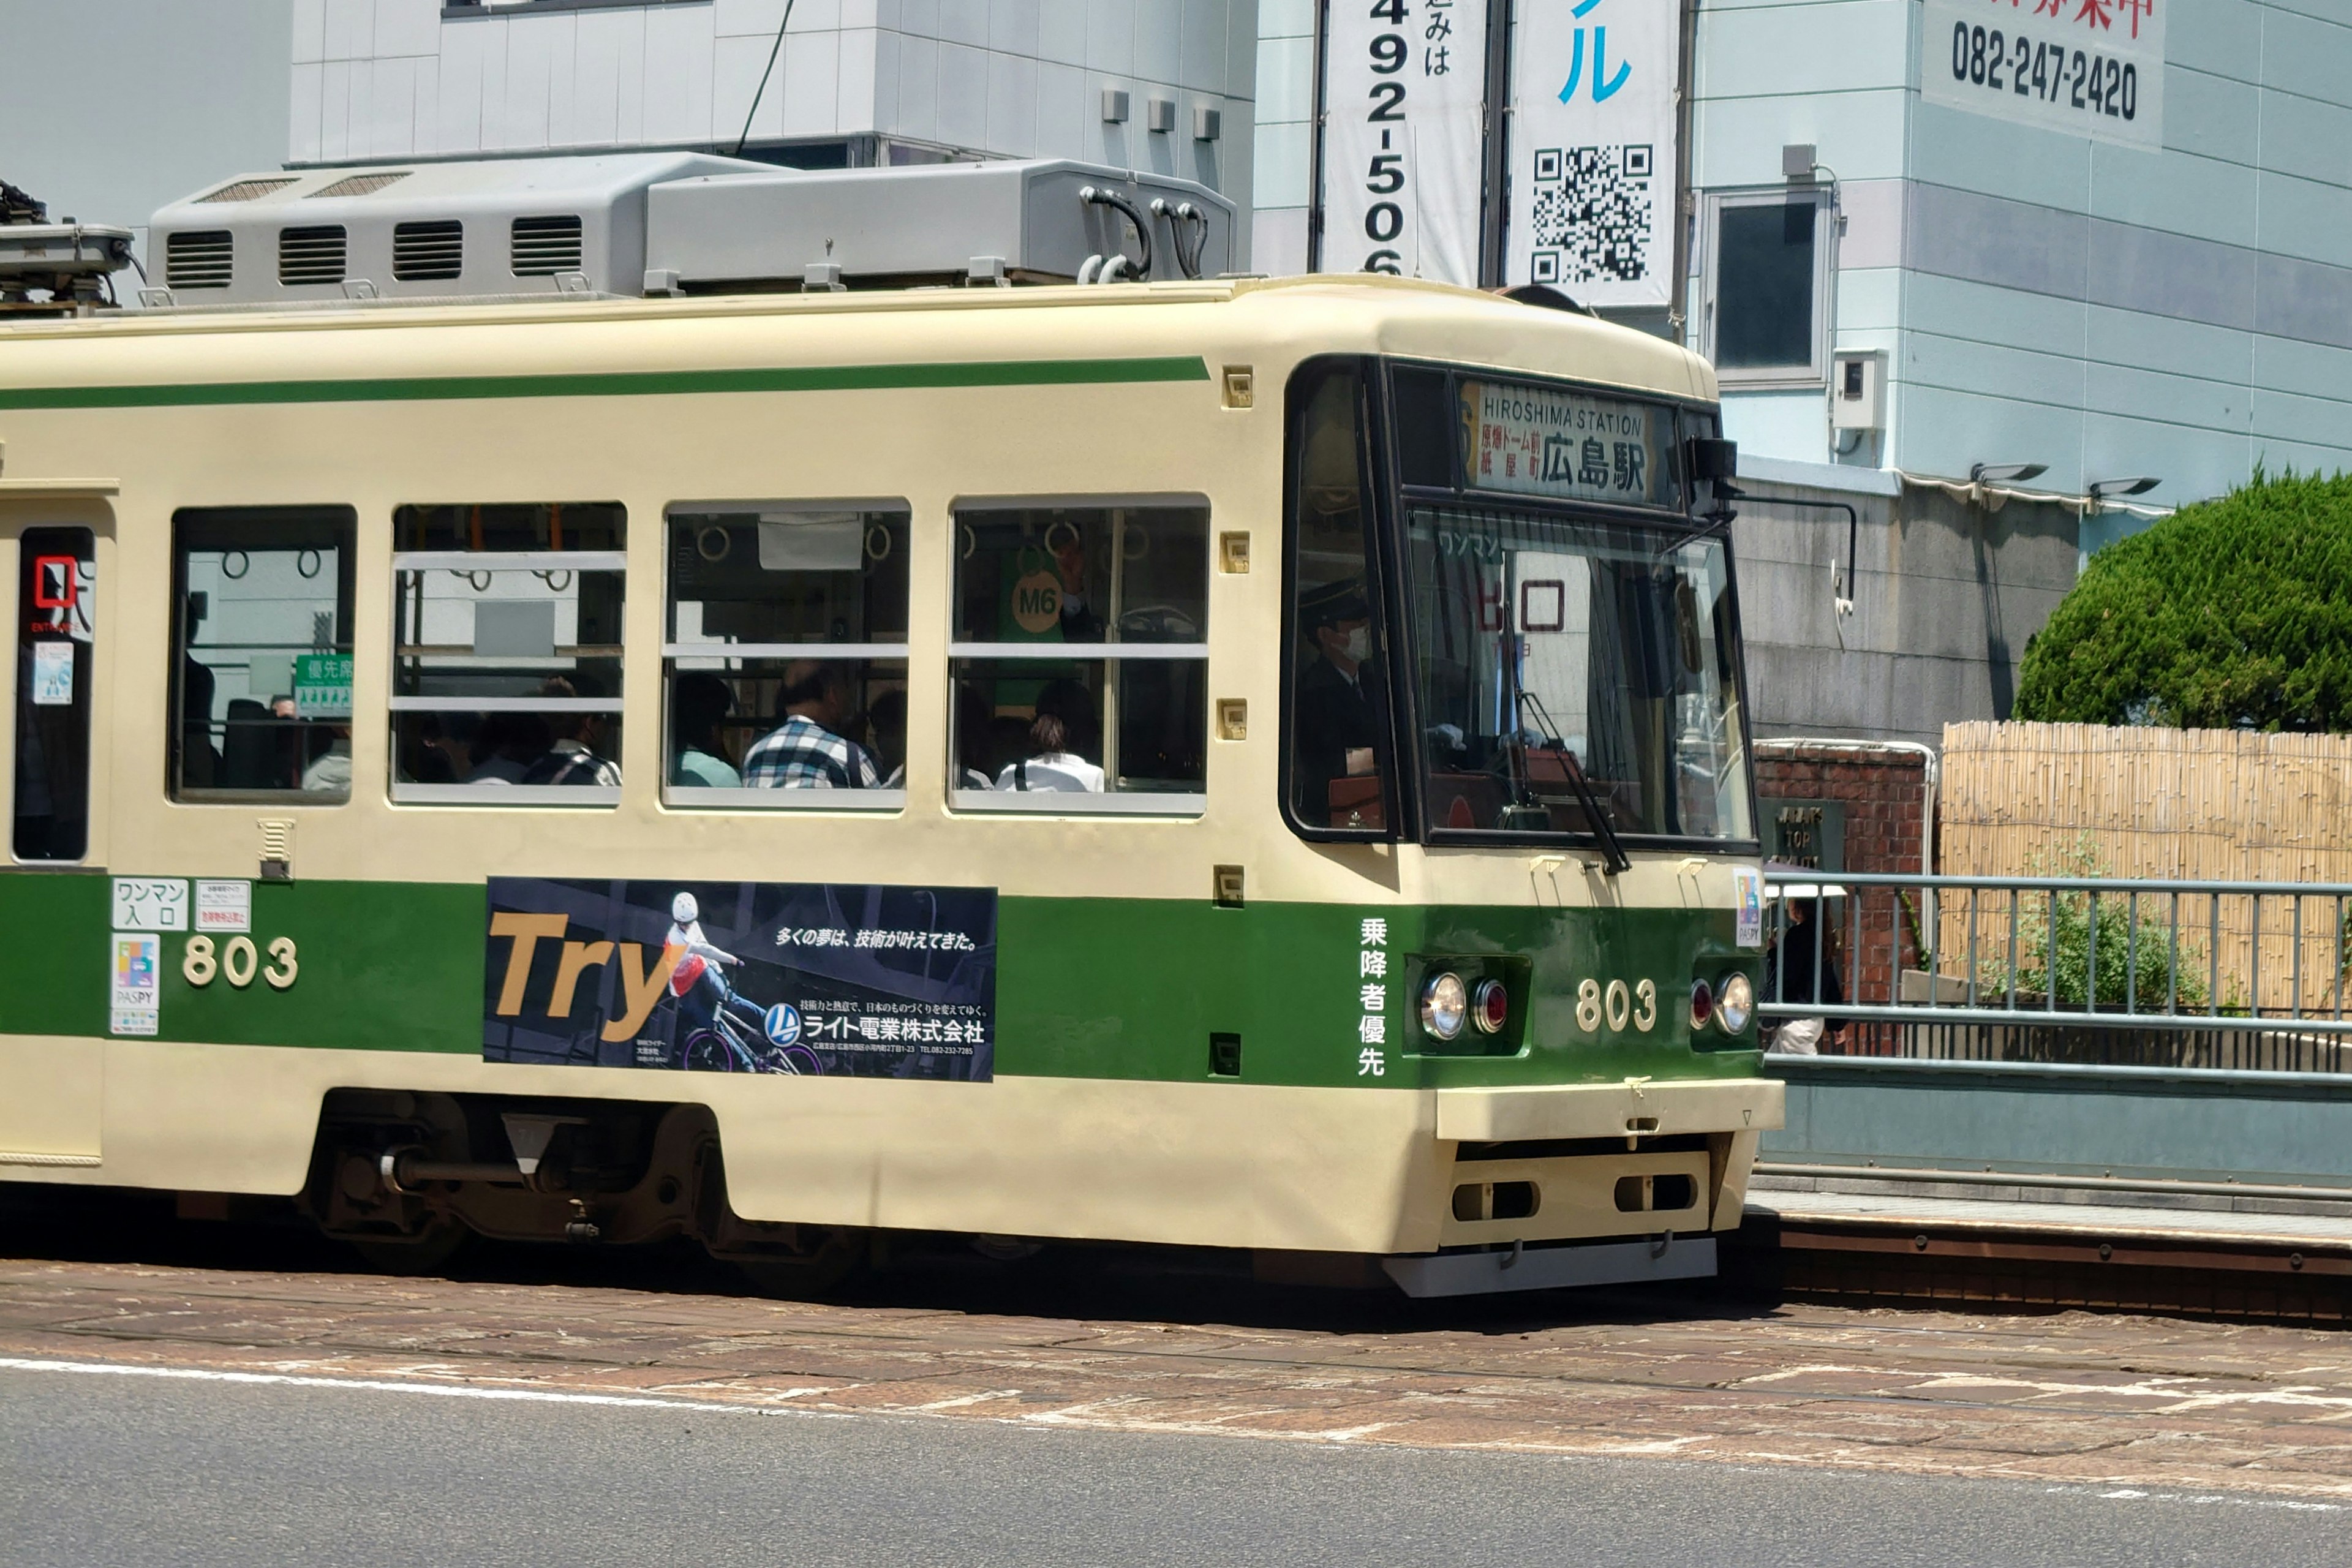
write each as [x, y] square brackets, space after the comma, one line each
[1085, 987]
[619, 384]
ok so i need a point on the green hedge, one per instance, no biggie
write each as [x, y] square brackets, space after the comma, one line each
[2231, 614]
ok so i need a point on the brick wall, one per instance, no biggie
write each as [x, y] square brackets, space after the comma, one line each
[1884, 794]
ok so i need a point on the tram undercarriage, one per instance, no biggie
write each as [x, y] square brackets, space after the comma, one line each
[408, 1177]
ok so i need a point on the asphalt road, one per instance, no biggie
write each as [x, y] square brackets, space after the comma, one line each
[139, 1469]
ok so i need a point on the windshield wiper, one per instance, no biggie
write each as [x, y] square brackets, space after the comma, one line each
[1614, 859]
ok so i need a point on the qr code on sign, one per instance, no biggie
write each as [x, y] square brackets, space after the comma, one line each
[1592, 213]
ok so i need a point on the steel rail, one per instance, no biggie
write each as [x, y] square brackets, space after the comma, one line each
[1991, 1178]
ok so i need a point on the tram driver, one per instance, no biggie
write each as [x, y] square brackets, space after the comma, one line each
[808, 749]
[1339, 696]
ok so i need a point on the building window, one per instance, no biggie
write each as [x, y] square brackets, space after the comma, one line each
[1080, 658]
[507, 658]
[261, 671]
[786, 655]
[1766, 287]
[56, 626]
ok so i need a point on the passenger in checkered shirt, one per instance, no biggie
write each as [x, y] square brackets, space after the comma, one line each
[807, 750]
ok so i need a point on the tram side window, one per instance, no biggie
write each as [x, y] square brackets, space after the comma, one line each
[1337, 700]
[261, 654]
[1080, 658]
[786, 655]
[56, 620]
[507, 657]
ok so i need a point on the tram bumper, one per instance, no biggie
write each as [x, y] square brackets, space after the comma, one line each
[1589, 1184]
[1634, 1108]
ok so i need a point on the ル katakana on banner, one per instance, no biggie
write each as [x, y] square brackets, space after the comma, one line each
[1592, 149]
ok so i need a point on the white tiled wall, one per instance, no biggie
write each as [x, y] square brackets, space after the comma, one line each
[390, 79]
[1285, 100]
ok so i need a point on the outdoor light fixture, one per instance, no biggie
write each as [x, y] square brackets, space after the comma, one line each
[2005, 473]
[2101, 490]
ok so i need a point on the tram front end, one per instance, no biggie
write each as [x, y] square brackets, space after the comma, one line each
[1515, 696]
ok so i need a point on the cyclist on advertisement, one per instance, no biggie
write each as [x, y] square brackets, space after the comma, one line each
[695, 977]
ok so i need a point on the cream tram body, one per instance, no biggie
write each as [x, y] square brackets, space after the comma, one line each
[930, 405]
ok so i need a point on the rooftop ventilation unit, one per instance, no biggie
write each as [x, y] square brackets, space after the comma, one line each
[199, 258]
[358, 184]
[543, 246]
[532, 219]
[689, 222]
[249, 189]
[310, 255]
[423, 252]
[1040, 221]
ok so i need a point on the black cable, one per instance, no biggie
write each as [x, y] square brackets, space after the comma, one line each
[1143, 225]
[760, 91]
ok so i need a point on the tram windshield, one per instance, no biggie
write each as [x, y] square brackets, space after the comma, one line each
[1568, 665]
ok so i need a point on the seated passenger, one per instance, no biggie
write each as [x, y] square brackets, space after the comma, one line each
[330, 772]
[807, 751]
[506, 746]
[1051, 765]
[697, 704]
[571, 757]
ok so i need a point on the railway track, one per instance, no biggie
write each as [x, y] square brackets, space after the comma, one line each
[2244, 1257]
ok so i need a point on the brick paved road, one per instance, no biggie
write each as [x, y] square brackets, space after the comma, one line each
[2112, 1401]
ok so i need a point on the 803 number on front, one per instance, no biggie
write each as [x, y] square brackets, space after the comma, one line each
[1617, 1005]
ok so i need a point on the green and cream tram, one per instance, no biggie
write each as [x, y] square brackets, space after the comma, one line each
[1244, 763]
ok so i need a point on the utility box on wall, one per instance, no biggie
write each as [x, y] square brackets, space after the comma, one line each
[1858, 390]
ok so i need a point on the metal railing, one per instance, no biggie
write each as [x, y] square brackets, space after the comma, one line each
[2213, 974]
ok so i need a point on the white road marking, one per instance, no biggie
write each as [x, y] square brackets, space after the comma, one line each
[378, 1385]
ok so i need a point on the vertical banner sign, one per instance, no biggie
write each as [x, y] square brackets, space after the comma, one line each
[1405, 134]
[2087, 67]
[1592, 149]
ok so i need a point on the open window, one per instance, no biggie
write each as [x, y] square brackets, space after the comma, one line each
[57, 623]
[1768, 256]
[786, 655]
[261, 654]
[507, 658]
[1080, 658]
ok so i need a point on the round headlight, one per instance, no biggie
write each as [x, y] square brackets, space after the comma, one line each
[1490, 1006]
[1702, 1005]
[1735, 1003]
[1444, 1005]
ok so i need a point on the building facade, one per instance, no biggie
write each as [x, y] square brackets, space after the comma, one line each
[2165, 296]
[2151, 280]
[1159, 85]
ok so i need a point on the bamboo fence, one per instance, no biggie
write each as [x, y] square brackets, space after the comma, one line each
[2019, 799]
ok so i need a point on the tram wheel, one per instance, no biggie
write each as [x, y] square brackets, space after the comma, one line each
[430, 1251]
[835, 1257]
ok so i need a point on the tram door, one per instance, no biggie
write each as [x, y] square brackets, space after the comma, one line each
[50, 1087]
